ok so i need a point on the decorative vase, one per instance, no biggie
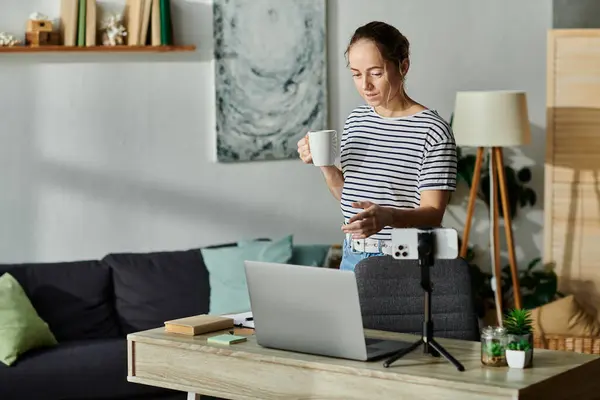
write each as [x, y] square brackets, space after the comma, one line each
[519, 351]
[493, 346]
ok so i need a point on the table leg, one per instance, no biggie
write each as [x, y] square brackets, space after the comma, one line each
[193, 396]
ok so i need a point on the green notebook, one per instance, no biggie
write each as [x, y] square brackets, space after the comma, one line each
[166, 25]
[226, 339]
[81, 26]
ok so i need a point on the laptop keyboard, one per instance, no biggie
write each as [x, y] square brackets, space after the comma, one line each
[371, 341]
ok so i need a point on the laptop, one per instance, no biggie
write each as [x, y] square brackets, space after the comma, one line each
[311, 310]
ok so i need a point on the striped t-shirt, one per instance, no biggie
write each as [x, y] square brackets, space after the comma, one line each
[389, 161]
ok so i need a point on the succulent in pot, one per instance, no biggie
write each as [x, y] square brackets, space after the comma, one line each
[519, 329]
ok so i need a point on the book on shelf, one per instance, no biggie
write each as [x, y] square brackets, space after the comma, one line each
[198, 324]
[147, 22]
[69, 11]
[91, 23]
[78, 22]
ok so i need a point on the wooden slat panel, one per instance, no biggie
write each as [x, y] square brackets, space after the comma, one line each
[577, 127]
[575, 247]
[577, 76]
[576, 254]
[572, 185]
[579, 171]
[576, 201]
[576, 144]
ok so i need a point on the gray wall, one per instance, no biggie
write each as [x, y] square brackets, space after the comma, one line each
[114, 152]
[576, 14]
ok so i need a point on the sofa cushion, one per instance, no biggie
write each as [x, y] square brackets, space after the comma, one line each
[74, 298]
[89, 369]
[229, 290]
[313, 255]
[21, 328]
[565, 317]
[151, 288]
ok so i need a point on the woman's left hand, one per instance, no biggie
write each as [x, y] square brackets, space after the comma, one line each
[368, 222]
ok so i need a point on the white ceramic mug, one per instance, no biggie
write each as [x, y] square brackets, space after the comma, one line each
[323, 147]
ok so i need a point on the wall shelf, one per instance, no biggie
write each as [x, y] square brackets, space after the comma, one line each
[98, 49]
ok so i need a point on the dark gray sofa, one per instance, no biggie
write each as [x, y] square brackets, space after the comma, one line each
[91, 306]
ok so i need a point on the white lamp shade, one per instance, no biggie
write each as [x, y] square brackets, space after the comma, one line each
[491, 119]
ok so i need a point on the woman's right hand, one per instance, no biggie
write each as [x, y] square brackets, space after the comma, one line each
[304, 150]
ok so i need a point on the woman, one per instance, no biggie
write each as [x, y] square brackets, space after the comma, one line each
[398, 158]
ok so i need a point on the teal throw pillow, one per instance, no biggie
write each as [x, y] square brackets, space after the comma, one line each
[227, 278]
[21, 328]
[312, 255]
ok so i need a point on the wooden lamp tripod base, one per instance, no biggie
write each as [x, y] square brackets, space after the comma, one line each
[497, 179]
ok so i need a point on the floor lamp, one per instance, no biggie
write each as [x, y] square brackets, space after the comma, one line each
[492, 120]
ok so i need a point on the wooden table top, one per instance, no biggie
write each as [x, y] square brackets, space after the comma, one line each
[552, 372]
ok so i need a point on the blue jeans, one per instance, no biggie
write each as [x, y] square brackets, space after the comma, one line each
[350, 258]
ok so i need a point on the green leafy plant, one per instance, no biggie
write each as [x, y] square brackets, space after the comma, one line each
[494, 349]
[519, 345]
[539, 285]
[518, 194]
[518, 322]
[493, 346]
[519, 328]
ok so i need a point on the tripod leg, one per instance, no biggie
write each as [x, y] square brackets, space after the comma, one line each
[431, 350]
[402, 353]
[446, 355]
[428, 328]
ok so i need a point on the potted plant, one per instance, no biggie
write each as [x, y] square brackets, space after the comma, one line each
[519, 350]
[493, 346]
[538, 283]
[518, 193]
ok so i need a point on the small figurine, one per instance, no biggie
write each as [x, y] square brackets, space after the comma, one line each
[38, 22]
[37, 16]
[40, 31]
[7, 40]
[114, 31]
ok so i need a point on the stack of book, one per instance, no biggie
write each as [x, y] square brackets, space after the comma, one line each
[78, 22]
[147, 22]
[198, 324]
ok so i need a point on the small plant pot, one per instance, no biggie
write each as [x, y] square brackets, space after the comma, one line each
[519, 351]
[519, 358]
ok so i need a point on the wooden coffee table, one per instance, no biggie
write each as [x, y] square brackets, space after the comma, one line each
[248, 371]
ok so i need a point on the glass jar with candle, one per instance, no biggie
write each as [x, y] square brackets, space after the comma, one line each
[493, 346]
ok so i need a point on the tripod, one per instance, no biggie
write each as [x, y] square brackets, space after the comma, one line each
[430, 346]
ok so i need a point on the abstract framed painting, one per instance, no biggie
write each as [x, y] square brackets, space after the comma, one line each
[270, 76]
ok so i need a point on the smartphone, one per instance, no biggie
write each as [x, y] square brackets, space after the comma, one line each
[405, 243]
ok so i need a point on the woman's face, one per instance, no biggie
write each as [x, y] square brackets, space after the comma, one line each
[377, 81]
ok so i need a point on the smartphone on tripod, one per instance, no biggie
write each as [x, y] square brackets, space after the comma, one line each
[405, 243]
[425, 245]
